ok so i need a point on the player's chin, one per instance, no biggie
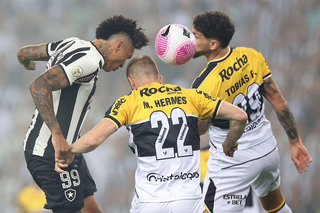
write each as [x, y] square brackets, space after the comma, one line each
[107, 70]
[196, 54]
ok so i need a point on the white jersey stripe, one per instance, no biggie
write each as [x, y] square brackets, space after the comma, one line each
[42, 141]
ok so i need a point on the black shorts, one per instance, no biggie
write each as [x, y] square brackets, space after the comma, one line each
[65, 192]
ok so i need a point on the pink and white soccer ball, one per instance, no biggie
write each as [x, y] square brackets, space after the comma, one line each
[175, 44]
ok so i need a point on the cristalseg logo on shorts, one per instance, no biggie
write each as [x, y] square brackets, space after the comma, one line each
[70, 194]
[77, 71]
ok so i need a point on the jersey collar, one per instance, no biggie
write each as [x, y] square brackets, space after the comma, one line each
[223, 58]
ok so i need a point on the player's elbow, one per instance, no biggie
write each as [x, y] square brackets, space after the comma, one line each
[21, 53]
[242, 116]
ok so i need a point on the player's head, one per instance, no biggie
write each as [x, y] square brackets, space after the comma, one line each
[212, 30]
[141, 71]
[121, 36]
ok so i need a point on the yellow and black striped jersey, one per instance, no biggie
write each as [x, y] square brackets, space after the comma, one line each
[163, 134]
[238, 78]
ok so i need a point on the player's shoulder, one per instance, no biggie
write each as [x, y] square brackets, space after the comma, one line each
[247, 50]
[195, 94]
[73, 38]
[131, 96]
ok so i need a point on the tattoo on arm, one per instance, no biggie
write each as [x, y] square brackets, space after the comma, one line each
[281, 107]
[33, 53]
[287, 121]
[41, 90]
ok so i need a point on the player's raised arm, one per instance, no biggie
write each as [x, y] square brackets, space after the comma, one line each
[299, 153]
[238, 119]
[28, 55]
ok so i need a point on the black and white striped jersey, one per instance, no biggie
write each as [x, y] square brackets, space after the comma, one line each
[81, 62]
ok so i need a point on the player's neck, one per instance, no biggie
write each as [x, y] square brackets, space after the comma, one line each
[218, 54]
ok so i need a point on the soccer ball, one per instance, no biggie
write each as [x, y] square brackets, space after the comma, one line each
[175, 44]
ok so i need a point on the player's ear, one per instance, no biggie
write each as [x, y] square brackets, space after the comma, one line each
[119, 46]
[132, 83]
[160, 79]
[214, 44]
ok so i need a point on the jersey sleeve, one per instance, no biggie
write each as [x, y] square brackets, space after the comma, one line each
[118, 112]
[208, 106]
[78, 68]
[53, 46]
[78, 58]
[266, 73]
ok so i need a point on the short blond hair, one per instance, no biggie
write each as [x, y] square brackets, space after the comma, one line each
[142, 67]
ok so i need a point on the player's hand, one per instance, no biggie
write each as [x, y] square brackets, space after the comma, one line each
[29, 65]
[63, 163]
[229, 149]
[300, 156]
[62, 149]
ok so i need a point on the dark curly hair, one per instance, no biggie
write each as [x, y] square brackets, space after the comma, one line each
[119, 24]
[215, 25]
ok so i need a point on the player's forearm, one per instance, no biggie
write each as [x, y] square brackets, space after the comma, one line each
[236, 130]
[279, 104]
[41, 94]
[96, 136]
[288, 123]
[85, 144]
[32, 53]
[82, 147]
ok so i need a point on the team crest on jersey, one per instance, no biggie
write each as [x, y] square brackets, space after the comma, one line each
[70, 194]
[77, 71]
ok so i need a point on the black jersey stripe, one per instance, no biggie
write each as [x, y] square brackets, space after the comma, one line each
[145, 137]
[107, 115]
[198, 81]
[54, 45]
[49, 150]
[211, 192]
[84, 110]
[217, 108]
[100, 64]
[266, 76]
[61, 49]
[34, 133]
[66, 105]
[47, 49]
[66, 43]
[74, 58]
[78, 50]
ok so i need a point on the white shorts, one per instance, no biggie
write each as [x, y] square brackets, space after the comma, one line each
[177, 206]
[228, 180]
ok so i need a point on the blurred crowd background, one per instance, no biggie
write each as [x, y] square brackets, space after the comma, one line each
[286, 32]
